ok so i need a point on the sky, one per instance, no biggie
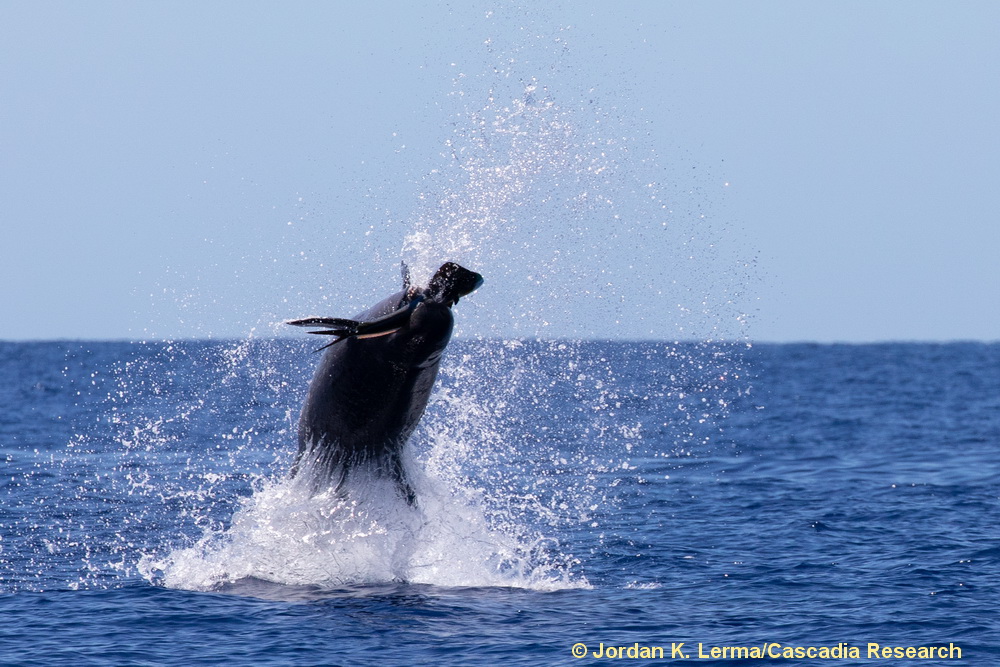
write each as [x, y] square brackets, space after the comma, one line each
[776, 171]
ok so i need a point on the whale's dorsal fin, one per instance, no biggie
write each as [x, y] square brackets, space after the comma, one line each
[405, 270]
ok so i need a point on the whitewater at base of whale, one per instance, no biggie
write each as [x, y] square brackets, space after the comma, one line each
[288, 535]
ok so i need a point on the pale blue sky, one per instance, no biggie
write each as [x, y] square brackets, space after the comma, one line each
[778, 170]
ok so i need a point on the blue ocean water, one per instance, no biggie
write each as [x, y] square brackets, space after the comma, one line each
[605, 494]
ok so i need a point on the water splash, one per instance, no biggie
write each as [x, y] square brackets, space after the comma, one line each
[283, 534]
[575, 226]
[273, 529]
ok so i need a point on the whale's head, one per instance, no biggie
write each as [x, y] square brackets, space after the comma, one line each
[452, 282]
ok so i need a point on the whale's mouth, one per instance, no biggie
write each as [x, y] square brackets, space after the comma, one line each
[477, 283]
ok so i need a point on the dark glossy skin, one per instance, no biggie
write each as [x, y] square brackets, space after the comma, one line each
[374, 381]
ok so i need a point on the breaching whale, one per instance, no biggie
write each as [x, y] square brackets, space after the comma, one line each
[374, 380]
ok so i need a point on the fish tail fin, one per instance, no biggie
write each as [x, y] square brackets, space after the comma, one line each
[330, 326]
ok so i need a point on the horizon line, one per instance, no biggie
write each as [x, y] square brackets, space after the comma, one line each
[569, 339]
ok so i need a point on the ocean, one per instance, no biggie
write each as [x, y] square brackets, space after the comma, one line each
[578, 503]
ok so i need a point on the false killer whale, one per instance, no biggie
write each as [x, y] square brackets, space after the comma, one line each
[374, 380]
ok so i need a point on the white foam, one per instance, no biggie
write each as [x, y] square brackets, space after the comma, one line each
[284, 535]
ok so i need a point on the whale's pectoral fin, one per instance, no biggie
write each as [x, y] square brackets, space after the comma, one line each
[405, 490]
[341, 328]
[402, 483]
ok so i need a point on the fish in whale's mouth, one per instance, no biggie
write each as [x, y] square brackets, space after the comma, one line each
[448, 284]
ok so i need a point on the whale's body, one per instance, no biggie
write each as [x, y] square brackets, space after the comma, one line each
[373, 382]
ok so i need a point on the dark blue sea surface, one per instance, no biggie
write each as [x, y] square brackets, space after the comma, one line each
[604, 494]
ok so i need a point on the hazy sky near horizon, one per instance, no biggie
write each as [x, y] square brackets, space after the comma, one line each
[773, 171]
